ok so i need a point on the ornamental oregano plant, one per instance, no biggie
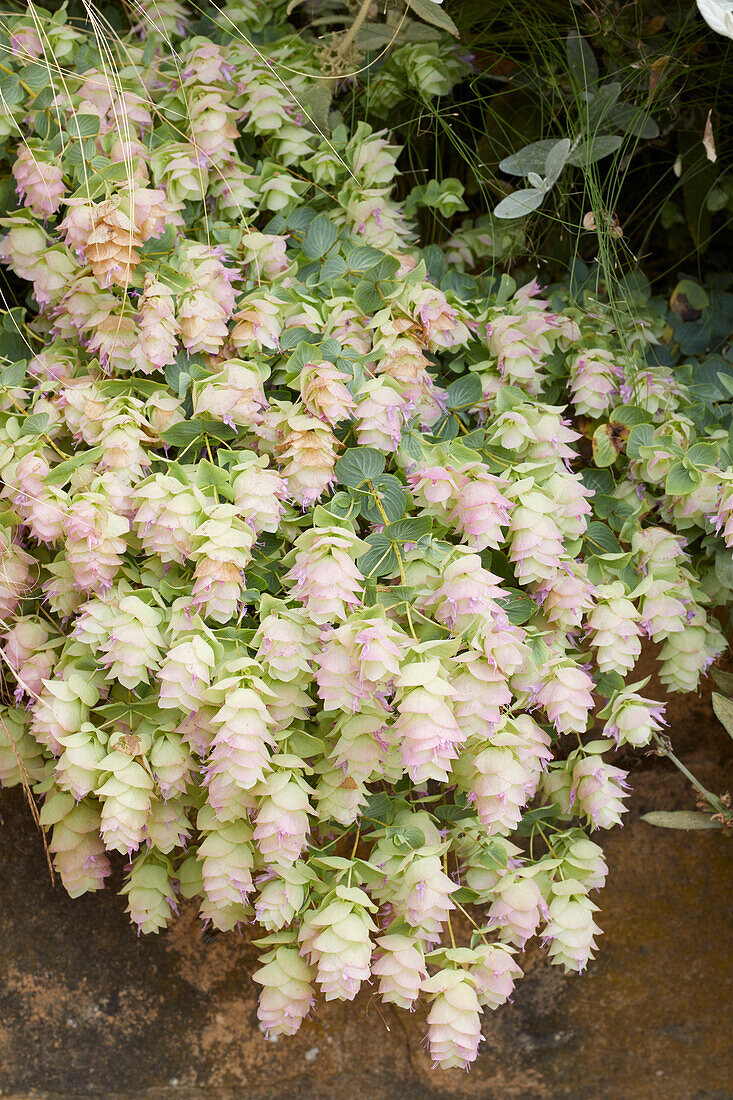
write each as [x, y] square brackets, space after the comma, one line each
[310, 581]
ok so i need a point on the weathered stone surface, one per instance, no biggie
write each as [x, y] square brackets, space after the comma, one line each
[88, 1009]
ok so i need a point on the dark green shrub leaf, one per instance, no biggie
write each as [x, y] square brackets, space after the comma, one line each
[359, 464]
[680, 481]
[381, 557]
[322, 235]
[464, 392]
[601, 539]
[392, 498]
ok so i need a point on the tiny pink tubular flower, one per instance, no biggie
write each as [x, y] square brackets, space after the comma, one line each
[399, 964]
[287, 994]
[39, 182]
[566, 698]
[454, 1019]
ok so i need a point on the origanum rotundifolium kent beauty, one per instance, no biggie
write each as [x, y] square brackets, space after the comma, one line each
[311, 588]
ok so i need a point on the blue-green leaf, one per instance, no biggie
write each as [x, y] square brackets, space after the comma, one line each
[322, 235]
[359, 464]
[381, 557]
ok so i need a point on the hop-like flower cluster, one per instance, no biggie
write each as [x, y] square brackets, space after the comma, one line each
[305, 577]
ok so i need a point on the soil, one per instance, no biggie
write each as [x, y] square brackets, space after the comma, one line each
[89, 1010]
